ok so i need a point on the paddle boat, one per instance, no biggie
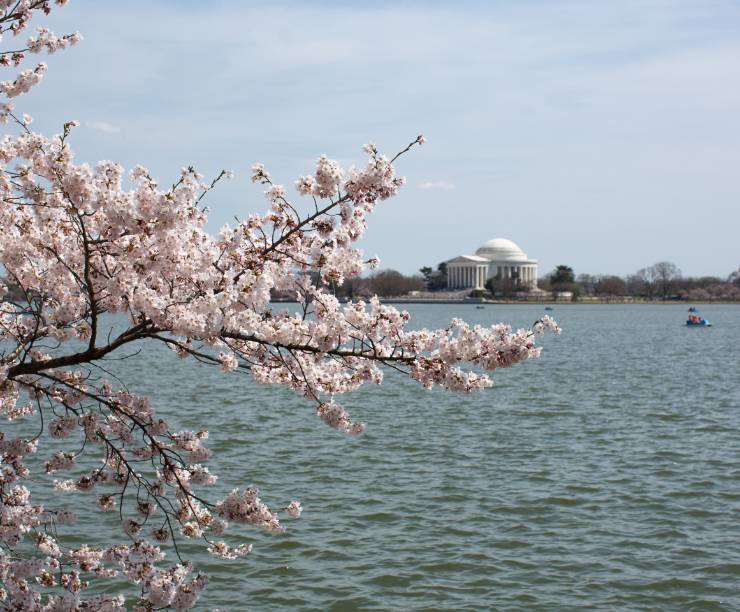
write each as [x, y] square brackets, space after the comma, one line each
[696, 320]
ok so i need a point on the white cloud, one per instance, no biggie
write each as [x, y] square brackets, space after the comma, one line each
[103, 126]
[441, 185]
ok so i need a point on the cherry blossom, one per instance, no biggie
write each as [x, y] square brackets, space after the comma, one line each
[294, 509]
[78, 246]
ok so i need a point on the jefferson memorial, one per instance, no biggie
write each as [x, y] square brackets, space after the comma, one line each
[497, 258]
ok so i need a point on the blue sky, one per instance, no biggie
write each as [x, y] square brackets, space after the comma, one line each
[602, 135]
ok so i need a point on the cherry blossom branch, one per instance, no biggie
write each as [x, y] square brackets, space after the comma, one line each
[78, 247]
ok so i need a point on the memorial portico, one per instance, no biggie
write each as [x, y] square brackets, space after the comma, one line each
[497, 258]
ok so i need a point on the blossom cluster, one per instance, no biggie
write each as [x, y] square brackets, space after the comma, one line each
[15, 17]
[77, 245]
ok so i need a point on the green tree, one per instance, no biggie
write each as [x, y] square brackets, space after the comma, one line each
[562, 275]
[435, 280]
[504, 287]
[563, 279]
[427, 274]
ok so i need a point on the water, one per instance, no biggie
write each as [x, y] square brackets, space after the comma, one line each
[605, 475]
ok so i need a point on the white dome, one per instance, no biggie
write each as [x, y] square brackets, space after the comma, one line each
[501, 249]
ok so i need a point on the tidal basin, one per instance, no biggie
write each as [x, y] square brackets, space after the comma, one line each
[605, 475]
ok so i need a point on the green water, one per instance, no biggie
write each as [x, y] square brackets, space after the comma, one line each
[605, 475]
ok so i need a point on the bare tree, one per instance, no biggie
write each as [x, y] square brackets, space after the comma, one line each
[610, 285]
[641, 283]
[389, 283]
[587, 282]
[663, 274]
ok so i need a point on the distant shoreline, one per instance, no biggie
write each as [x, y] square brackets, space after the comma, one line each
[580, 302]
[555, 303]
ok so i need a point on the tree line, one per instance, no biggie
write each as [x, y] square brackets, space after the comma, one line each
[661, 281]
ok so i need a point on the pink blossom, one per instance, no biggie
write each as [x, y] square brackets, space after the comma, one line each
[327, 178]
[305, 185]
[294, 509]
[131, 527]
[106, 502]
[259, 174]
[246, 507]
[23, 82]
[59, 461]
[201, 476]
[276, 192]
[229, 363]
[222, 551]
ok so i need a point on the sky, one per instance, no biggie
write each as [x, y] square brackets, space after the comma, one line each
[596, 134]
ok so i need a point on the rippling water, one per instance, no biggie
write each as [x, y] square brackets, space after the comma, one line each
[604, 475]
